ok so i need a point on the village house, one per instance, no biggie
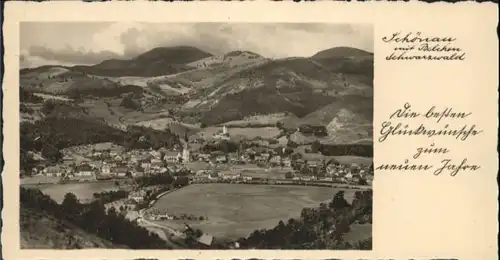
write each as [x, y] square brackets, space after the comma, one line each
[137, 196]
[213, 175]
[276, 160]
[68, 159]
[53, 171]
[156, 163]
[332, 170]
[205, 241]
[84, 170]
[222, 135]
[172, 168]
[138, 172]
[246, 158]
[313, 164]
[262, 157]
[121, 171]
[355, 178]
[203, 157]
[246, 178]
[146, 165]
[106, 170]
[132, 216]
[326, 179]
[131, 163]
[155, 154]
[201, 175]
[221, 159]
[134, 158]
[317, 130]
[171, 157]
[233, 158]
[231, 176]
[300, 162]
[287, 162]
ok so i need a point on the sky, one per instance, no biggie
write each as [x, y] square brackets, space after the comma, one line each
[87, 43]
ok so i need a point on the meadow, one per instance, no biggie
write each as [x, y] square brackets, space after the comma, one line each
[236, 210]
[242, 132]
[83, 191]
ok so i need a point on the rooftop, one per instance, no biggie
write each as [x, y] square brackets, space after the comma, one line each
[206, 239]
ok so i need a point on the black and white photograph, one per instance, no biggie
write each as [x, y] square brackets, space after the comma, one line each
[173, 136]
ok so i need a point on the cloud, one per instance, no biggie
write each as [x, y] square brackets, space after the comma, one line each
[90, 43]
[69, 55]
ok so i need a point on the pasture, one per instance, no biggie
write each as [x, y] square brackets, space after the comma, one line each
[236, 210]
[83, 191]
[242, 132]
[261, 120]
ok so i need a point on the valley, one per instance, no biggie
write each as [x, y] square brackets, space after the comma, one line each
[176, 133]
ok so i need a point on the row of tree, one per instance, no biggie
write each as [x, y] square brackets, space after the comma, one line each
[110, 196]
[318, 228]
[28, 97]
[50, 135]
[363, 150]
[94, 219]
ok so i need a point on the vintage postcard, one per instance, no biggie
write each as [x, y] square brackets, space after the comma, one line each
[250, 130]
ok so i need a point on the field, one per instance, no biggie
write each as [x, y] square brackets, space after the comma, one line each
[242, 132]
[235, 210]
[261, 120]
[83, 191]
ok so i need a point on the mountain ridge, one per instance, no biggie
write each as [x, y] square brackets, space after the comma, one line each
[213, 90]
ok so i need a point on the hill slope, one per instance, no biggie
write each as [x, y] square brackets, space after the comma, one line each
[156, 62]
[40, 230]
[296, 85]
[333, 88]
[347, 60]
[340, 52]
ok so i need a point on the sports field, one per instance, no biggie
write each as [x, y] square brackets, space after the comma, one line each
[236, 210]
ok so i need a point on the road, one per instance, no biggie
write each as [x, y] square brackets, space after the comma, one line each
[144, 222]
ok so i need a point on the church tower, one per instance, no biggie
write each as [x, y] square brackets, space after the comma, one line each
[186, 154]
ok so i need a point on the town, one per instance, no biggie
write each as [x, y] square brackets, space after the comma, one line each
[197, 146]
[140, 174]
[105, 161]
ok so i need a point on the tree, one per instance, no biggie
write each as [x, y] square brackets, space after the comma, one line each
[362, 182]
[315, 146]
[339, 202]
[180, 181]
[27, 162]
[70, 204]
[51, 153]
[198, 233]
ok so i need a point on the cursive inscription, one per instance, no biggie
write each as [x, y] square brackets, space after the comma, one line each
[416, 37]
[446, 122]
[417, 46]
